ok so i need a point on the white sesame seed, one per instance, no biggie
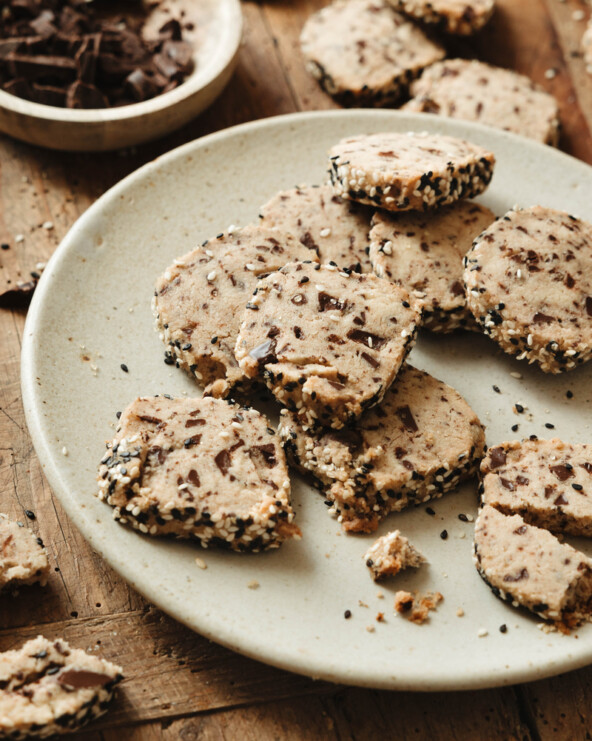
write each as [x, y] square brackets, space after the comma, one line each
[201, 563]
[64, 450]
[47, 225]
[250, 266]
[211, 276]
[19, 238]
[578, 15]
[482, 632]
[325, 232]
[550, 73]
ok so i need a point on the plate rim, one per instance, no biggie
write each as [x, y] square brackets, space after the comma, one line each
[278, 658]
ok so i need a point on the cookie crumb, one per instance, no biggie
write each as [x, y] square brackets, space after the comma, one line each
[416, 607]
[460, 612]
[201, 563]
[370, 628]
[380, 618]
[253, 584]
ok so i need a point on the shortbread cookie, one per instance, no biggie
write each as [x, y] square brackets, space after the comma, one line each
[528, 279]
[200, 298]
[328, 344]
[424, 253]
[202, 469]
[419, 443]
[547, 482]
[48, 688]
[409, 172]
[363, 53]
[462, 17]
[336, 229]
[23, 559]
[475, 91]
[390, 554]
[528, 566]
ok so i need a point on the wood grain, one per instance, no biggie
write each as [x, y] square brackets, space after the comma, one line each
[179, 685]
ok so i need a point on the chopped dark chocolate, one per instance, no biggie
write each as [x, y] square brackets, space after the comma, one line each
[69, 55]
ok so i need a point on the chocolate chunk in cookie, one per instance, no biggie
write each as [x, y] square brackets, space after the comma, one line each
[199, 468]
[327, 343]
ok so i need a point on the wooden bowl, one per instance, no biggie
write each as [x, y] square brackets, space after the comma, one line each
[216, 37]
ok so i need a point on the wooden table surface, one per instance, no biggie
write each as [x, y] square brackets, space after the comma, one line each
[179, 685]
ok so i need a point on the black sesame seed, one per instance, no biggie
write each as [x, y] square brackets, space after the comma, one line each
[496, 389]
[347, 614]
[369, 563]
[30, 514]
[514, 428]
[577, 487]
[118, 415]
[519, 408]
[533, 437]
[463, 518]
[444, 534]
[503, 628]
[569, 394]
[53, 670]
[214, 340]
[549, 426]
[305, 279]
[406, 304]
[5, 246]
[124, 368]
[430, 511]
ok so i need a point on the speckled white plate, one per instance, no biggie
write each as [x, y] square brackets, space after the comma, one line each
[91, 313]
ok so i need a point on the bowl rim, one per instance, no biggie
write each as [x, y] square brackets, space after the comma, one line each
[232, 25]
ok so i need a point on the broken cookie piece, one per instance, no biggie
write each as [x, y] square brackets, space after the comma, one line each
[409, 172]
[199, 300]
[528, 566]
[390, 554]
[421, 441]
[328, 343]
[23, 559]
[547, 482]
[49, 688]
[202, 469]
[416, 607]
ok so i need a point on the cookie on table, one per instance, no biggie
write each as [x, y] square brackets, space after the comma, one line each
[390, 554]
[336, 229]
[424, 253]
[475, 91]
[421, 441]
[527, 565]
[49, 688]
[23, 559]
[198, 301]
[547, 482]
[199, 468]
[363, 53]
[462, 17]
[327, 343]
[528, 280]
[409, 172]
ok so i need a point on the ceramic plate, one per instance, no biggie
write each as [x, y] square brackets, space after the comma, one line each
[91, 313]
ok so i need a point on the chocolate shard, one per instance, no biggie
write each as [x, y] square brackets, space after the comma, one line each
[78, 679]
[81, 95]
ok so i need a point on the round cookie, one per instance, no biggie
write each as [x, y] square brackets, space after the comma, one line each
[475, 91]
[200, 298]
[199, 468]
[409, 172]
[363, 53]
[336, 229]
[423, 252]
[50, 688]
[421, 441]
[528, 280]
[547, 482]
[462, 17]
[526, 565]
[327, 343]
